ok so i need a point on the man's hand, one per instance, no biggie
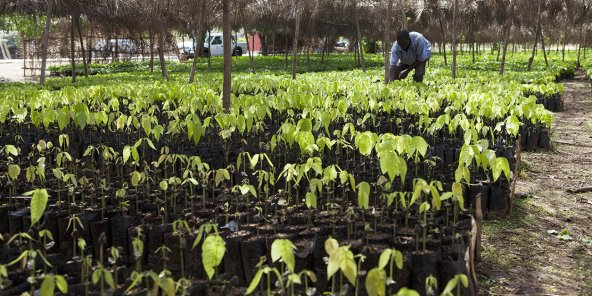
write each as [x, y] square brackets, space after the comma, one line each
[404, 73]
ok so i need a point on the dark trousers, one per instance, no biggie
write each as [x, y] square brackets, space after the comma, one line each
[395, 71]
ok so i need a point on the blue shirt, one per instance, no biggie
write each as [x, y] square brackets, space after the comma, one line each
[420, 49]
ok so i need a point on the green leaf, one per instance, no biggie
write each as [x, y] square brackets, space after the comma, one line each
[157, 131]
[136, 178]
[464, 280]
[311, 200]
[150, 144]
[500, 165]
[135, 155]
[283, 249]
[352, 181]
[385, 257]
[254, 160]
[376, 282]
[513, 125]
[126, 153]
[81, 115]
[49, 117]
[419, 145]
[316, 185]
[326, 120]
[22, 256]
[365, 143]
[96, 276]
[424, 207]
[462, 172]
[146, 122]
[331, 245]
[14, 171]
[329, 173]
[63, 119]
[11, 149]
[62, 284]
[108, 278]
[255, 282]
[137, 278]
[348, 265]
[305, 125]
[450, 286]
[389, 164]
[466, 155]
[221, 175]
[363, 195]
[47, 286]
[168, 286]
[212, 252]
[38, 204]
[164, 185]
[198, 132]
[407, 292]
[398, 259]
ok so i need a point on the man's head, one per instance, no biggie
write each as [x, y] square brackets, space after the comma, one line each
[403, 39]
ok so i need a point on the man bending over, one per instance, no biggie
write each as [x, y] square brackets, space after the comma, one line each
[410, 52]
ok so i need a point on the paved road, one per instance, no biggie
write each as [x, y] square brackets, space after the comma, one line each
[11, 70]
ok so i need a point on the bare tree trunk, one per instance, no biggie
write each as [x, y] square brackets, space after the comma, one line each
[507, 31]
[116, 56]
[543, 44]
[287, 51]
[151, 52]
[195, 54]
[585, 42]
[564, 40]
[360, 41]
[163, 68]
[45, 41]
[536, 37]
[443, 39]
[454, 38]
[499, 49]
[226, 36]
[250, 50]
[77, 19]
[534, 49]
[295, 45]
[209, 52]
[356, 51]
[403, 4]
[386, 40]
[197, 50]
[473, 51]
[273, 45]
[323, 51]
[72, 49]
[197, 35]
[90, 46]
[308, 56]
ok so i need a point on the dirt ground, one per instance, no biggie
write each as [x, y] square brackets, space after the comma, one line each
[545, 246]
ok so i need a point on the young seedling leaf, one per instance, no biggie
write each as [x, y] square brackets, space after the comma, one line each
[38, 204]
[376, 282]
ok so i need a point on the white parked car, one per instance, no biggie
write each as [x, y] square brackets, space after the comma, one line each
[213, 46]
